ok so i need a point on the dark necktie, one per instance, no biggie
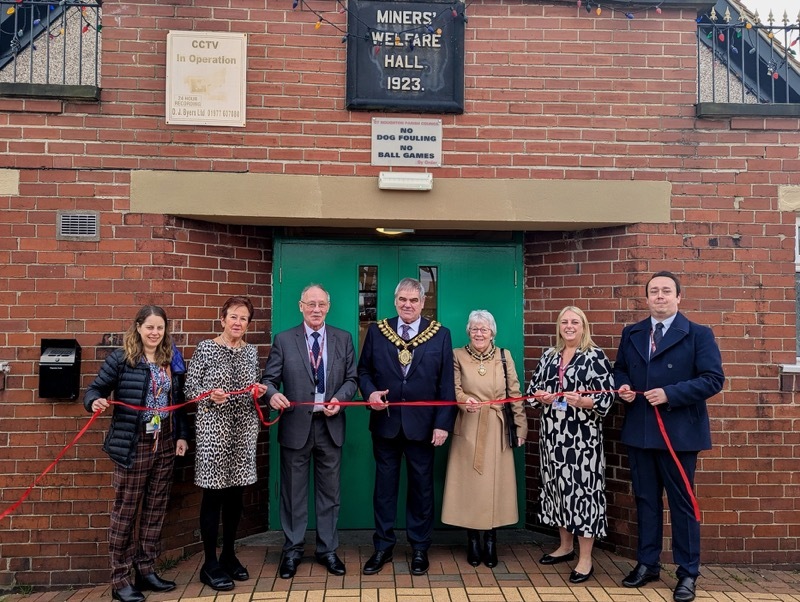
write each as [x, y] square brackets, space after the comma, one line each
[318, 366]
[658, 334]
[405, 335]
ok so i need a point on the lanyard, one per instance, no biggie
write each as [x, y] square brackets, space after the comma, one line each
[562, 368]
[315, 363]
[159, 380]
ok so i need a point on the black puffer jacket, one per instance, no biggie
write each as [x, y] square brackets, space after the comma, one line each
[129, 385]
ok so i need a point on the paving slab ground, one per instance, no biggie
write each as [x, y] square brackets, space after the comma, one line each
[517, 578]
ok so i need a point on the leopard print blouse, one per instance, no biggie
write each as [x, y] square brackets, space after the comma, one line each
[226, 433]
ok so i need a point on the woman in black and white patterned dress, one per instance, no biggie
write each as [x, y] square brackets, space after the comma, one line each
[227, 431]
[571, 439]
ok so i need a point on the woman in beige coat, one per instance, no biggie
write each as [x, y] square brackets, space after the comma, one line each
[480, 491]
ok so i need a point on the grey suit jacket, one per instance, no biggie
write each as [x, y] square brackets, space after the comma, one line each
[288, 365]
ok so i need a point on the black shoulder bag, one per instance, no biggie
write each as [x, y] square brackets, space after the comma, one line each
[508, 411]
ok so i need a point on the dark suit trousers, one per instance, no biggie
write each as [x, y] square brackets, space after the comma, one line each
[295, 473]
[653, 471]
[419, 500]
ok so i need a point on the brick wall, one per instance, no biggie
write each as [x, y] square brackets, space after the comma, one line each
[737, 277]
[57, 289]
[552, 93]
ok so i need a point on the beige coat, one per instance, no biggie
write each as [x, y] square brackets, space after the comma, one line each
[480, 490]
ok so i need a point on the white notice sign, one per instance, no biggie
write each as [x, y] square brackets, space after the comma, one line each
[206, 83]
[407, 142]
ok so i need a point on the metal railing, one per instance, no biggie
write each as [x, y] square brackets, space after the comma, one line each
[47, 45]
[744, 61]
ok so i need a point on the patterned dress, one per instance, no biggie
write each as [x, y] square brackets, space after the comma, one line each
[226, 433]
[571, 443]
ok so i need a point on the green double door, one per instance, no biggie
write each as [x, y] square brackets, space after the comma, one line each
[361, 279]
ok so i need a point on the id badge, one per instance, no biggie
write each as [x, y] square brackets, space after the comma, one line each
[154, 425]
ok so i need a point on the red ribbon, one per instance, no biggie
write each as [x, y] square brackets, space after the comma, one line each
[94, 417]
[28, 491]
[685, 478]
[253, 389]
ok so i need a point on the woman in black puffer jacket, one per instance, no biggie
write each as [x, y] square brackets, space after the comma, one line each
[143, 445]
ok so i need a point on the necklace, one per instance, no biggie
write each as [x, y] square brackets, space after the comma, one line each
[480, 357]
[404, 355]
[229, 345]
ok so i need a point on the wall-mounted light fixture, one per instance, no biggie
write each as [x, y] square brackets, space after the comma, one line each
[4, 369]
[404, 180]
[394, 231]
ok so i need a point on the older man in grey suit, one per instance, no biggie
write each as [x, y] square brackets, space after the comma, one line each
[314, 362]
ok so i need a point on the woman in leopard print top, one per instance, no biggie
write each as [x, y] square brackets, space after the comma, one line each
[227, 429]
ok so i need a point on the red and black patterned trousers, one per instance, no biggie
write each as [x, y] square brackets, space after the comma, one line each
[144, 488]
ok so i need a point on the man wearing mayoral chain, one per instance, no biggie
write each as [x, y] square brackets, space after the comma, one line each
[406, 359]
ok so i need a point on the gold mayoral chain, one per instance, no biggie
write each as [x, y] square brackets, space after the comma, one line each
[481, 357]
[404, 353]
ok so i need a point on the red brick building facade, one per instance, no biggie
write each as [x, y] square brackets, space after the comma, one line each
[554, 96]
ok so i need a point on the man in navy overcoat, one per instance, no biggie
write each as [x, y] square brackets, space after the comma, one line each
[406, 359]
[671, 366]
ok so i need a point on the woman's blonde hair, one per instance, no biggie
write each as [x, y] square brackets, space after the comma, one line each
[586, 341]
[132, 341]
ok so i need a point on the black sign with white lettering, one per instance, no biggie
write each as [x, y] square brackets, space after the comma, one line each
[405, 56]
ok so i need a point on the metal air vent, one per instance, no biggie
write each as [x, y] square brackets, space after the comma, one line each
[78, 225]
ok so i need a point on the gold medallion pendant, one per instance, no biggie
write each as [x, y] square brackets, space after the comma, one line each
[480, 357]
[405, 348]
[405, 357]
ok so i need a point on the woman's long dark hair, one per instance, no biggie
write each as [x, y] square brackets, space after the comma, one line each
[132, 342]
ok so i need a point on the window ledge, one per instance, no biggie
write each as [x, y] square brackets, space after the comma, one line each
[790, 377]
[50, 91]
[713, 110]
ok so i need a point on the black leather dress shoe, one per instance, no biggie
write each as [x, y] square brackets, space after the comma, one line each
[576, 577]
[288, 566]
[640, 575]
[333, 563]
[684, 591]
[419, 562]
[376, 561]
[548, 559]
[234, 568]
[215, 578]
[127, 594]
[153, 583]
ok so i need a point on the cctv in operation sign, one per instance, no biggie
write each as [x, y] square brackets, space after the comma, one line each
[405, 56]
[206, 78]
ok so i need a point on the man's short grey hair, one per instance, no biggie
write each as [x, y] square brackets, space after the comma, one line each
[410, 284]
[482, 315]
[314, 285]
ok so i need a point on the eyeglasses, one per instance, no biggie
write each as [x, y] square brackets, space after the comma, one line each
[315, 305]
[479, 330]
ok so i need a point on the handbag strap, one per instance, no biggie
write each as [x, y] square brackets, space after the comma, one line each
[505, 367]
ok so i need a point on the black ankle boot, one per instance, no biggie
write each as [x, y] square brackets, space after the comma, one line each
[473, 547]
[490, 548]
